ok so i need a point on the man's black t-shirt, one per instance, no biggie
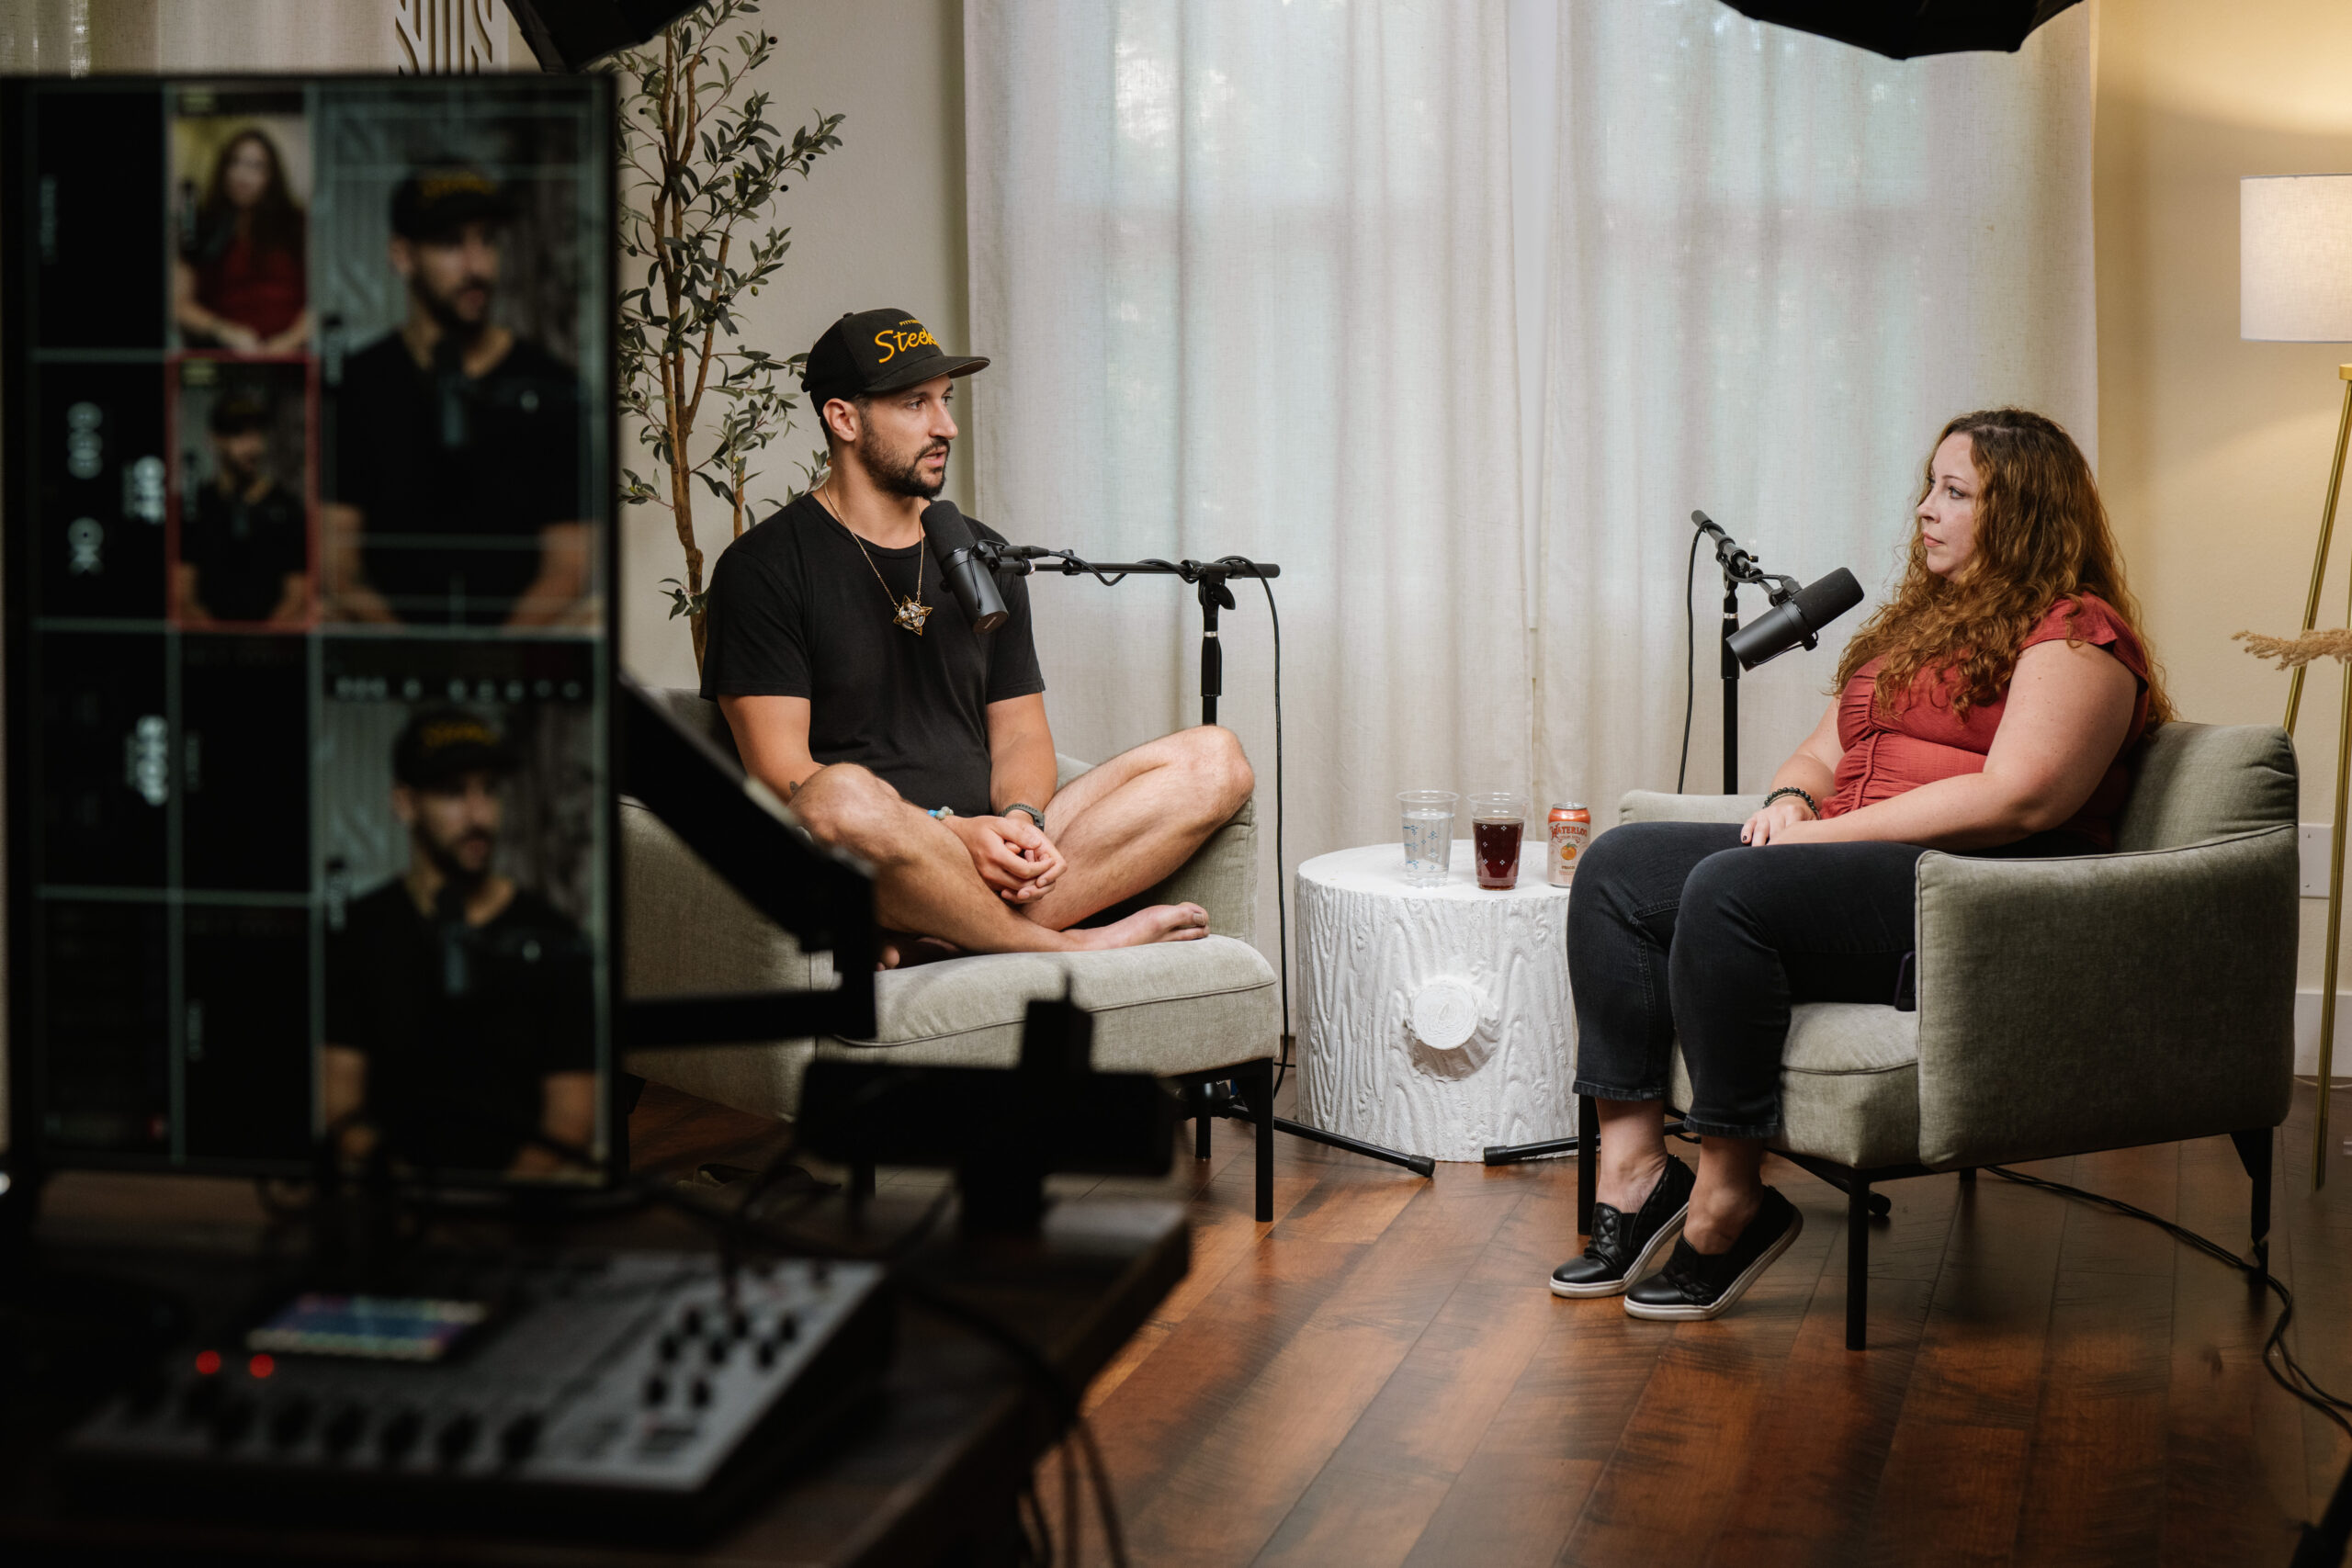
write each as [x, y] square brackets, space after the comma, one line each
[242, 550]
[460, 1024]
[796, 612]
[454, 475]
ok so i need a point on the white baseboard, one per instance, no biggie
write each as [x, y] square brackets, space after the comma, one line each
[2307, 1033]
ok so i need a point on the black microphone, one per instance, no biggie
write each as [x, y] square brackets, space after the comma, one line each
[1795, 619]
[956, 549]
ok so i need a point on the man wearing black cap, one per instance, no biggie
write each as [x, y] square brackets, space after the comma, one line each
[454, 494]
[857, 688]
[459, 1014]
[244, 553]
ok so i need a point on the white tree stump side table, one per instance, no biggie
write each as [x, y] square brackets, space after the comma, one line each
[1436, 1019]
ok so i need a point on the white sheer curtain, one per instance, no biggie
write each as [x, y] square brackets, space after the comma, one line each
[1246, 271]
[1777, 265]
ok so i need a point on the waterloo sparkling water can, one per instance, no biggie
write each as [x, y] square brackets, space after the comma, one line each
[1571, 827]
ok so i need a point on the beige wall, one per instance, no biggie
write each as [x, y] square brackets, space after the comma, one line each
[2213, 453]
[880, 221]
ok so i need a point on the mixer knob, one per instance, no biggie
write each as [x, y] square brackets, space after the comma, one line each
[787, 1328]
[289, 1421]
[656, 1389]
[738, 1324]
[400, 1434]
[691, 1320]
[521, 1436]
[764, 1354]
[717, 1353]
[666, 1347]
[456, 1436]
[699, 1395]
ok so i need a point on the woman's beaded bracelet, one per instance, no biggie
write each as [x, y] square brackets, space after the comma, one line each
[1810, 804]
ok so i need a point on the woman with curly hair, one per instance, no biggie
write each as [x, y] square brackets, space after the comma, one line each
[238, 282]
[1990, 709]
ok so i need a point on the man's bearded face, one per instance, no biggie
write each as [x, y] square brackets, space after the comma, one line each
[456, 826]
[453, 275]
[915, 467]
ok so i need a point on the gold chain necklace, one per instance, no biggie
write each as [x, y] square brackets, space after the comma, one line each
[905, 613]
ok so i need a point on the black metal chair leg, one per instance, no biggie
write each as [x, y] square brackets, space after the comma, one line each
[2254, 1153]
[1587, 1160]
[1968, 1175]
[861, 1181]
[1202, 1117]
[1260, 1085]
[1858, 1261]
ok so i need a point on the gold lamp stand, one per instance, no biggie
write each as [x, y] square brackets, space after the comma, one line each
[2343, 776]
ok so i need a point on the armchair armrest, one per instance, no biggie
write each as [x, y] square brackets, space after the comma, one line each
[2105, 1000]
[1652, 805]
[1222, 875]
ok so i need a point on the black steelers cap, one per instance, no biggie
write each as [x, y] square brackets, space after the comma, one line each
[878, 351]
[440, 745]
[436, 199]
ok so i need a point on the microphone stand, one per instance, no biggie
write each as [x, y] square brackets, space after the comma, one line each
[1739, 568]
[1209, 581]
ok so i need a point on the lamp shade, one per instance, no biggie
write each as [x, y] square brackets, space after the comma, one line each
[2295, 258]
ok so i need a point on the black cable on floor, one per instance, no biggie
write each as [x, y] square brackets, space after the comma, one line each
[2277, 1359]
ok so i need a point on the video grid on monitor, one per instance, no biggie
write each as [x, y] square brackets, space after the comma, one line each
[310, 481]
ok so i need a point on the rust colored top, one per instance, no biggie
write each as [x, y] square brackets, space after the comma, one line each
[260, 287]
[1887, 753]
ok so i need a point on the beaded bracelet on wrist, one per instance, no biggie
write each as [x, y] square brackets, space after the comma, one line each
[1810, 804]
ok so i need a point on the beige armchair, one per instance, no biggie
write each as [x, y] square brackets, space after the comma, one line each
[1193, 1011]
[2064, 1005]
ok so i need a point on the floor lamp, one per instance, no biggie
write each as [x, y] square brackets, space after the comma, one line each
[2295, 285]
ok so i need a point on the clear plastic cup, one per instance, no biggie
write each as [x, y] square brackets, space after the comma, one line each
[1429, 835]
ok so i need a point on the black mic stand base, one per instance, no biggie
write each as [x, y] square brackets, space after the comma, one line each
[1222, 1099]
[1419, 1165]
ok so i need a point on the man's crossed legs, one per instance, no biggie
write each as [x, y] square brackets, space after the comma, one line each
[1120, 828]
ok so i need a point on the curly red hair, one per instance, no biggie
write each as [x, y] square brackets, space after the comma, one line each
[2042, 536]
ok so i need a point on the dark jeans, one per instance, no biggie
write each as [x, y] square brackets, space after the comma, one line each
[1679, 929]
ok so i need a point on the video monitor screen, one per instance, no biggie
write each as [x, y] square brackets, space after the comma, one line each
[309, 467]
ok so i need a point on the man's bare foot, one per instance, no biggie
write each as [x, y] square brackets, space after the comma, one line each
[1162, 922]
[900, 951]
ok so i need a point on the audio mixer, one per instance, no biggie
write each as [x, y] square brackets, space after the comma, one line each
[604, 1391]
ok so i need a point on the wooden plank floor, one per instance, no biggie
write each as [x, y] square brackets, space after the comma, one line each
[1379, 1377]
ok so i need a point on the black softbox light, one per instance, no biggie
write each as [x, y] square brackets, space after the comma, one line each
[1902, 28]
[566, 34]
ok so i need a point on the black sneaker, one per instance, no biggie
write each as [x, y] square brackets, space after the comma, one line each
[1694, 1285]
[1622, 1244]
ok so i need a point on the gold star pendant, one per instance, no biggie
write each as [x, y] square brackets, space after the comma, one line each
[911, 615]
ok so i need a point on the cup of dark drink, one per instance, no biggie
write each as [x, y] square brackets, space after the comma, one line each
[1498, 823]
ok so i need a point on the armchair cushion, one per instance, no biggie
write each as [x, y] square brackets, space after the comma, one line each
[1849, 1084]
[2198, 781]
[1168, 1009]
